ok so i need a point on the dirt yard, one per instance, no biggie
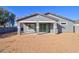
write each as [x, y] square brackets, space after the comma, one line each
[65, 42]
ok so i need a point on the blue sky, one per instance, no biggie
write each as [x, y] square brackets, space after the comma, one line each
[71, 12]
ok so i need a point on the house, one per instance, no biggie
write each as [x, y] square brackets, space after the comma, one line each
[48, 22]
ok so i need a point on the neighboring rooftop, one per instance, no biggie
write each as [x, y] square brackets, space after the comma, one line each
[77, 21]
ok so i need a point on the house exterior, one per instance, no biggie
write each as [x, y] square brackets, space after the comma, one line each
[48, 23]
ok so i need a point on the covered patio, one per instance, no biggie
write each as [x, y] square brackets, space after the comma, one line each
[37, 27]
[37, 23]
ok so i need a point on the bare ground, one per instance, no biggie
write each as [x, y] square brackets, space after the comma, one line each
[65, 42]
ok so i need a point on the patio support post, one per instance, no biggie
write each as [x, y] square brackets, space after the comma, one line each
[23, 28]
[18, 28]
[51, 28]
[37, 27]
[55, 28]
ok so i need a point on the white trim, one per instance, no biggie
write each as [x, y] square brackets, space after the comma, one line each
[37, 21]
[18, 28]
[37, 27]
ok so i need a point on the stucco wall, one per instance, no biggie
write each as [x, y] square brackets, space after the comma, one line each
[68, 27]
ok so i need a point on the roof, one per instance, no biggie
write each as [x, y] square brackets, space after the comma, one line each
[59, 16]
[26, 17]
[45, 15]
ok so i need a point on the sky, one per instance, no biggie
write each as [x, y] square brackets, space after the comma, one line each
[71, 12]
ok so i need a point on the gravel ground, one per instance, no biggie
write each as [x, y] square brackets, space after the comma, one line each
[65, 42]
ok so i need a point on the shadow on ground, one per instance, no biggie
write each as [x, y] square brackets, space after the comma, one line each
[7, 35]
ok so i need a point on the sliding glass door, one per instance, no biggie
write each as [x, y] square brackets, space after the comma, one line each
[44, 27]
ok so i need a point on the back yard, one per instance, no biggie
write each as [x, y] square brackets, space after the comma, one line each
[65, 42]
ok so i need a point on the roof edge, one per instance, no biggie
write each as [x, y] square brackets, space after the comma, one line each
[59, 16]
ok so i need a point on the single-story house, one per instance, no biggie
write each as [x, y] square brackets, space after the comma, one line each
[48, 22]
